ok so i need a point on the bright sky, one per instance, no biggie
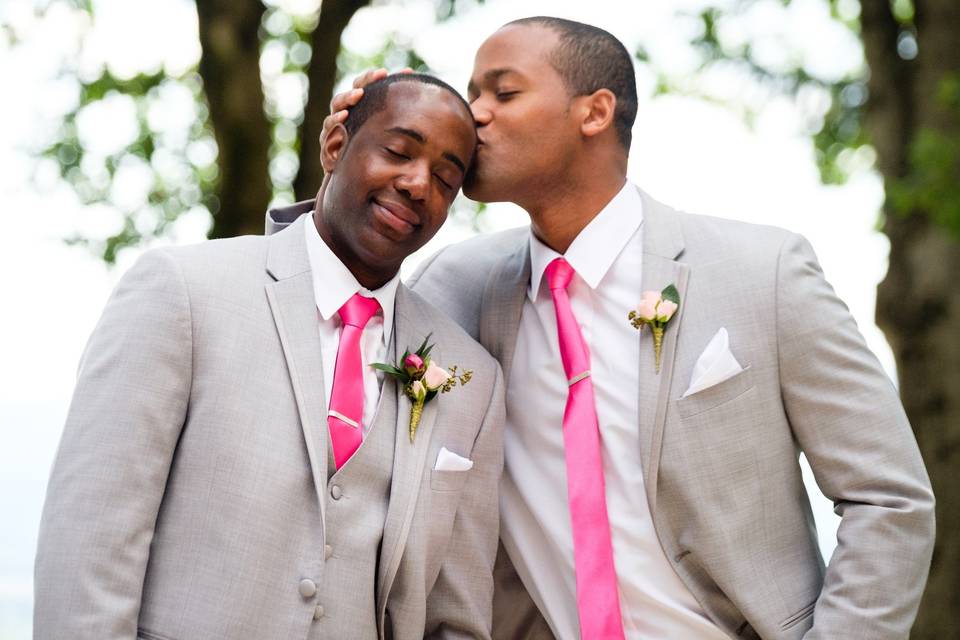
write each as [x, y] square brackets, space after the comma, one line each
[690, 153]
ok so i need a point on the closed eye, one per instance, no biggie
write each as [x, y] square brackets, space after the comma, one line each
[506, 95]
[443, 182]
[396, 154]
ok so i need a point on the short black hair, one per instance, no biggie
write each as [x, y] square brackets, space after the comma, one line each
[375, 97]
[589, 58]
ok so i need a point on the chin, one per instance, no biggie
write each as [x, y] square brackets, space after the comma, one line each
[378, 251]
[484, 189]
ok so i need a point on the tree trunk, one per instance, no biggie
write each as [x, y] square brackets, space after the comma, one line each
[322, 73]
[230, 68]
[918, 302]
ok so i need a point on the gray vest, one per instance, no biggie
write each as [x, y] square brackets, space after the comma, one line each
[357, 497]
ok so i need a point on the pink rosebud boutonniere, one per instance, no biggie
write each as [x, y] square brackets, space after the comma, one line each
[656, 308]
[422, 379]
[412, 364]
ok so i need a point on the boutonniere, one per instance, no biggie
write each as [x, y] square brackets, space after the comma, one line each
[655, 309]
[423, 379]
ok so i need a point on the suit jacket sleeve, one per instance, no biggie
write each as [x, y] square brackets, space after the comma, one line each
[460, 603]
[847, 417]
[108, 478]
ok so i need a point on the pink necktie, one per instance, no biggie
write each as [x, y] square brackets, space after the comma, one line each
[345, 415]
[598, 601]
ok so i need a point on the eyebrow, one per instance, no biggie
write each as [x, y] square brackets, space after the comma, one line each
[419, 137]
[410, 133]
[492, 74]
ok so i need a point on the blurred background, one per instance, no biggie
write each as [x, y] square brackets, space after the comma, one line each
[127, 124]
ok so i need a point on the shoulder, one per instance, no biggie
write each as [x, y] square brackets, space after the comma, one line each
[213, 262]
[734, 236]
[455, 278]
[753, 250]
[218, 255]
[494, 245]
[473, 258]
[451, 339]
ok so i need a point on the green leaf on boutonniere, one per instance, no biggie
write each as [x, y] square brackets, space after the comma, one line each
[389, 369]
[670, 293]
[425, 346]
[422, 379]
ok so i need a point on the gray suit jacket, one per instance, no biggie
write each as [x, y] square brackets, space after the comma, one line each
[721, 466]
[187, 498]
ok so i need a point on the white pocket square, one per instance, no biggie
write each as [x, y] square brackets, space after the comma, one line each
[449, 461]
[714, 365]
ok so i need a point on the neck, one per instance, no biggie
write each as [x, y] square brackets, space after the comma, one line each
[369, 277]
[561, 213]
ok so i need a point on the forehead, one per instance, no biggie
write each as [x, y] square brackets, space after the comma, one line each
[428, 109]
[522, 48]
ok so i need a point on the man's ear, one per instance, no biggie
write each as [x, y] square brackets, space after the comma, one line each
[597, 111]
[333, 147]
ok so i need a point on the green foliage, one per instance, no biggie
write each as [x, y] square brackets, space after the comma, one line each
[842, 130]
[178, 184]
[837, 134]
[903, 10]
[932, 183]
[396, 53]
[138, 85]
[291, 33]
[446, 9]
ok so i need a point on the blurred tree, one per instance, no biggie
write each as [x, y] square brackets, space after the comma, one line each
[913, 118]
[230, 69]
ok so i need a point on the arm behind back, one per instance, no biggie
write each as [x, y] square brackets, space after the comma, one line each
[848, 419]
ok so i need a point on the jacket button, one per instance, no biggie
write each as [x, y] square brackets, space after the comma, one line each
[336, 492]
[318, 612]
[308, 588]
[327, 551]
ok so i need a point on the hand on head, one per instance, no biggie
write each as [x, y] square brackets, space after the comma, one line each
[340, 103]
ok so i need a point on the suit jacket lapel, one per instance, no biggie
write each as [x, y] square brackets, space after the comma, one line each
[503, 299]
[410, 327]
[294, 310]
[662, 246]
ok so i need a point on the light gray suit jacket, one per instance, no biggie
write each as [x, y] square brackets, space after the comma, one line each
[188, 495]
[721, 466]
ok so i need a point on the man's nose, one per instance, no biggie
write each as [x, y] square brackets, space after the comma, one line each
[481, 113]
[415, 182]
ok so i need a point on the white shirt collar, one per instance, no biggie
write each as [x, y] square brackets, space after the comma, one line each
[597, 246]
[333, 284]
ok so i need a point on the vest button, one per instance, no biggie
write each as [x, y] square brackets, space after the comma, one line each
[327, 551]
[336, 492]
[318, 612]
[308, 588]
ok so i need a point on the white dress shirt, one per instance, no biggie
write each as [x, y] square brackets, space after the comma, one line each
[333, 285]
[607, 257]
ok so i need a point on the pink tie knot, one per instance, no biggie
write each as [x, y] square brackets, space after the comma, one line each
[559, 273]
[358, 310]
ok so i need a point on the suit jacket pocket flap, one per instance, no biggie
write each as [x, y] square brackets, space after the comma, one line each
[445, 480]
[716, 395]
